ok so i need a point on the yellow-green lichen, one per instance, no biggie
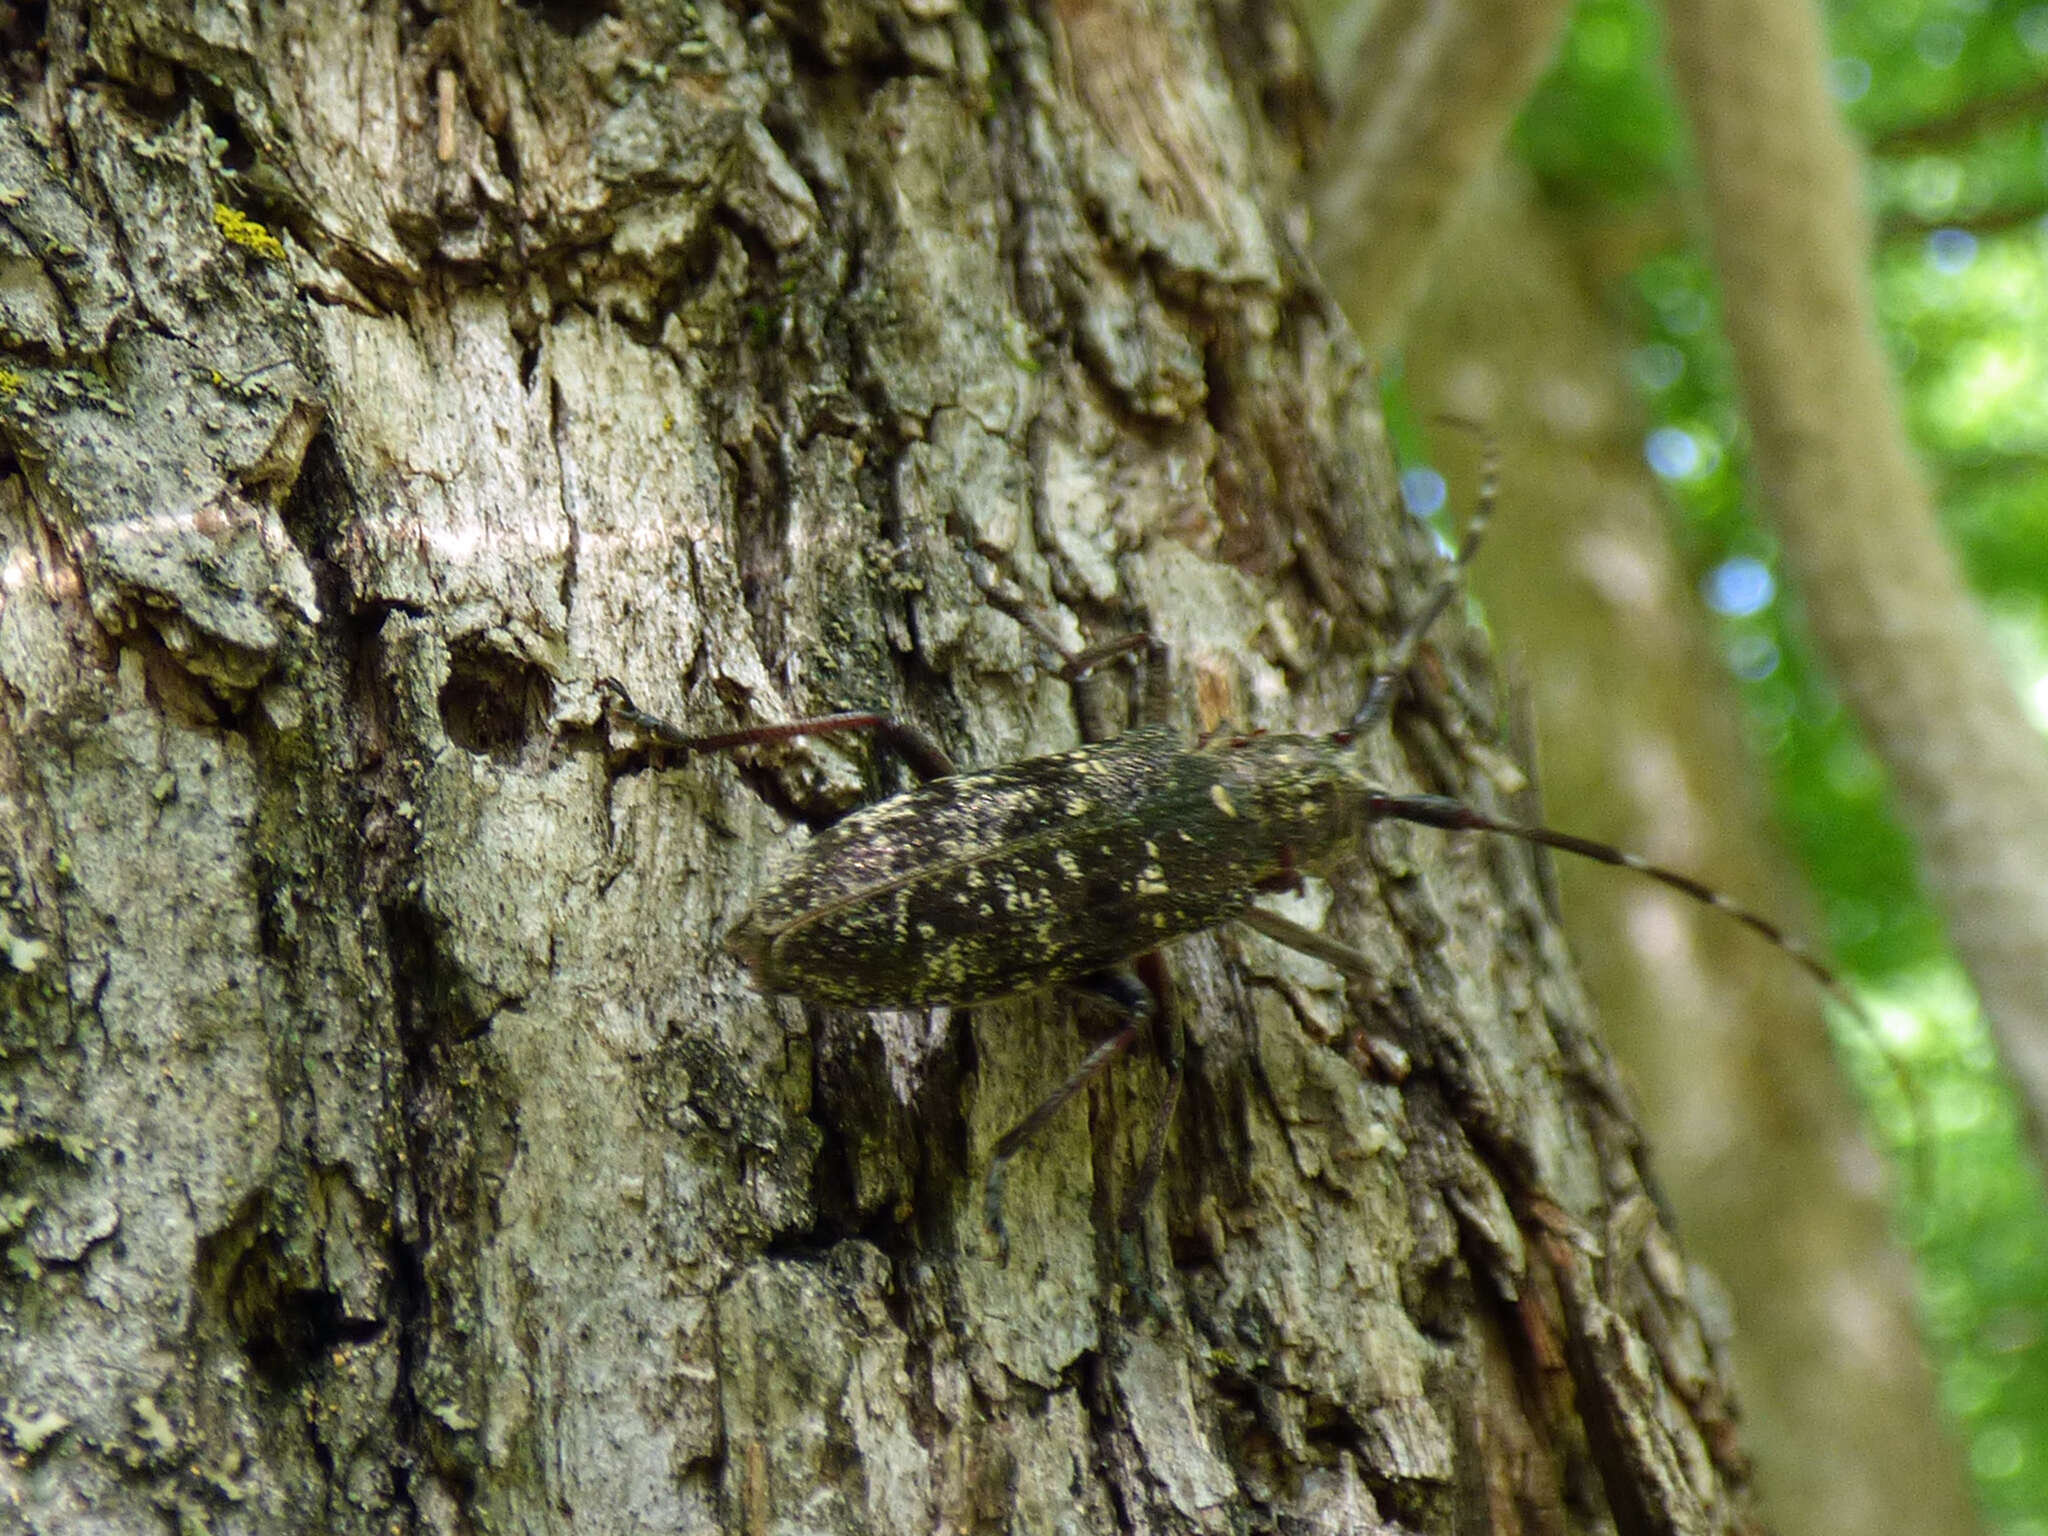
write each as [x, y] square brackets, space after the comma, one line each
[237, 228]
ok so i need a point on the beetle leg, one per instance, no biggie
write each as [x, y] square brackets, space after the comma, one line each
[1125, 994]
[1388, 1058]
[927, 759]
[1155, 693]
[1307, 940]
[1173, 1052]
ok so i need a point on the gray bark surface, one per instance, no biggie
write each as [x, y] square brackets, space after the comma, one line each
[389, 1143]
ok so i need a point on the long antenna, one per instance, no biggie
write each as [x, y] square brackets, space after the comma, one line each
[1456, 816]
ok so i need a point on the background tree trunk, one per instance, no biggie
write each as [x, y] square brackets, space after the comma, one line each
[1887, 606]
[389, 1138]
[1756, 1130]
[1427, 92]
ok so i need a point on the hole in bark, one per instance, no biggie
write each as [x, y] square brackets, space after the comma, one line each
[299, 1329]
[320, 501]
[237, 153]
[22, 26]
[573, 17]
[494, 703]
[286, 1327]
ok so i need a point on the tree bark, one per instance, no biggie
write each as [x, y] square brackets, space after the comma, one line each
[390, 1140]
[1879, 587]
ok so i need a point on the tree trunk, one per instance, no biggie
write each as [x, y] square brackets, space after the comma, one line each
[390, 1139]
[1887, 605]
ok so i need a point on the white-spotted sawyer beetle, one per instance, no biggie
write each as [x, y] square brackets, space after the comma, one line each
[1065, 870]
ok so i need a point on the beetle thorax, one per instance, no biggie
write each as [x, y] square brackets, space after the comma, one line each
[1307, 793]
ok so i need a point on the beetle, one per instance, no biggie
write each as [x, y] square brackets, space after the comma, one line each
[1062, 870]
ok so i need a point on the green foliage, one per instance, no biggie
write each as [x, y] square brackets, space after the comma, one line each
[1601, 128]
[1831, 792]
[1981, 1240]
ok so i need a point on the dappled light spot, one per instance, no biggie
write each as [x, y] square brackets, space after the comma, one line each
[1740, 586]
[1673, 453]
[1422, 491]
[1950, 251]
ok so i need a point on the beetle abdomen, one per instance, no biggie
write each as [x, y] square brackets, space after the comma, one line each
[986, 884]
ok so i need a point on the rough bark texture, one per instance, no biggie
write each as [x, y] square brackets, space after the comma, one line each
[1755, 1129]
[1880, 589]
[388, 1140]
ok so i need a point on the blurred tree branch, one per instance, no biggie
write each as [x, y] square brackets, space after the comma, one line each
[1431, 89]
